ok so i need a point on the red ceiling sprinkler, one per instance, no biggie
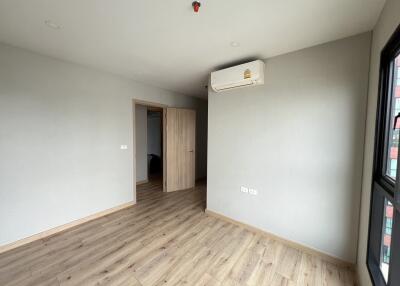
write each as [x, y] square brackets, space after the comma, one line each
[196, 5]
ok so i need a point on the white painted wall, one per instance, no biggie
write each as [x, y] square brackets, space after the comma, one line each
[298, 140]
[154, 134]
[141, 143]
[60, 134]
[387, 24]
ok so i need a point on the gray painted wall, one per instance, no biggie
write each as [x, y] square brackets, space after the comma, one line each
[141, 143]
[154, 134]
[387, 24]
[201, 140]
[298, 140]
[60, 134]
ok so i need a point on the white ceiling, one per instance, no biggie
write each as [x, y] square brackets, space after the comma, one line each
[164, 43]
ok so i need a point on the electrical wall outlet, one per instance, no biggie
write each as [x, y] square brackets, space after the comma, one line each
[247, 190]
[124, 147]
[253, 192]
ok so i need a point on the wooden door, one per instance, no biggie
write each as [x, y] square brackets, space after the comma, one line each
[180, 154]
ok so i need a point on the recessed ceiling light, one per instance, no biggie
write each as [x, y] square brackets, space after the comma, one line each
[235, 44]
[52, 25]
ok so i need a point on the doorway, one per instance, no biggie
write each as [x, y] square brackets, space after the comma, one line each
[155, 143]
[165, 148]
[149, 149]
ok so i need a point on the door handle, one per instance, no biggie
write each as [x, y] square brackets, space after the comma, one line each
[395, 121]
[191, 151]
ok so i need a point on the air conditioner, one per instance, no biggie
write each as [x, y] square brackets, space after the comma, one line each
[248, 74]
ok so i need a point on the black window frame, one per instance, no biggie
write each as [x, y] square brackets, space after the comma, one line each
[383, 187]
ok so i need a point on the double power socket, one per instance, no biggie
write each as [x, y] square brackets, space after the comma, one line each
[250, 191]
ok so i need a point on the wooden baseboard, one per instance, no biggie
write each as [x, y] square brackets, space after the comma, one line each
[61, 228]
[141, 182]
[327, 257]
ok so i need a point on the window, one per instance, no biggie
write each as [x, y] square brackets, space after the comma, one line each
[383, 258]
[386, 239]
[393, 133]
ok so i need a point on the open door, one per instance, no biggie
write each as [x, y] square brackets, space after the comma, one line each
[180, 157]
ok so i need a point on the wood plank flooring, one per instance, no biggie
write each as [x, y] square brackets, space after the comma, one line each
[166, 239]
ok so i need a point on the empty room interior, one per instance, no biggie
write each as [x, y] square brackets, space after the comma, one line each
[200, 143]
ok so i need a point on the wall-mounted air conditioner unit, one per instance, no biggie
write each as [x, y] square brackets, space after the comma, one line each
[248, 74]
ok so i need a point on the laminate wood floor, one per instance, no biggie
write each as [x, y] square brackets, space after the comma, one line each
[166, 239]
